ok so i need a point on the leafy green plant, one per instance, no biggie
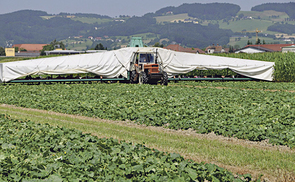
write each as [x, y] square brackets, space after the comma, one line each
[40, 152]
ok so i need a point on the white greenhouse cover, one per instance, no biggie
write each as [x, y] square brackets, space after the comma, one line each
[112, 64]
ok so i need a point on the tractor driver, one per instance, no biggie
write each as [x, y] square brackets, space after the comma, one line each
[143, 59]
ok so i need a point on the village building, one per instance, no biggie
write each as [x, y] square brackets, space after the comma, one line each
[28, 50]
[288, 49]
[263, 48]
[216, 49]
[10, 52]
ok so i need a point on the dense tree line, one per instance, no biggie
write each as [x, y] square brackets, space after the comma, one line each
[288, 8]
[283, 28]
[210, 11]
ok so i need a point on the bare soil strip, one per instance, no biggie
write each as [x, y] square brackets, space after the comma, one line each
[264, 145]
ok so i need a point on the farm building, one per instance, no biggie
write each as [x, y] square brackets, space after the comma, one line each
[28, 50]
[113, 64]
[288, 49]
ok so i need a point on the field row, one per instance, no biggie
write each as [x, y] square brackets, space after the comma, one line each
[32, 151]
[248, 85]
[246, 114]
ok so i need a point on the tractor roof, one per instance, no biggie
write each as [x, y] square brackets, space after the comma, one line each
[145, 50]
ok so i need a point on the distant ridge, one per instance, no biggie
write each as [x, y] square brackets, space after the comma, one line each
[288, 8]
[210, 11]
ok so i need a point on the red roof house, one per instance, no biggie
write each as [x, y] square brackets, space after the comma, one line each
[30, 47]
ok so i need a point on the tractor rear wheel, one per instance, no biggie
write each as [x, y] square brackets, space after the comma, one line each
[164, 79]
[143, 79]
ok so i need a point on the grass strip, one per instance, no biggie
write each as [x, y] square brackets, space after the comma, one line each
[243, 159]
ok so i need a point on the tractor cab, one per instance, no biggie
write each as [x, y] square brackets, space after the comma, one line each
[146, 61]
[145, 67]
[146, 58]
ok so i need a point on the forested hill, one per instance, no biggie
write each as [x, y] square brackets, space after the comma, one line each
[210, 11]
[189, 34]
[27, 26]
[288, 8]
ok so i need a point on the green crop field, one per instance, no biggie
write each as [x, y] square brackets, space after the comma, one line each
[246, 114]
[32, 151]
[254, 111]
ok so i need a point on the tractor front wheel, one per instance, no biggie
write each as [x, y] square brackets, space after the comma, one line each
[133, 77]
[164, 79]
[143, 79]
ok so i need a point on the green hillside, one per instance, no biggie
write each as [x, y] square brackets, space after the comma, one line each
[266, 15]
[180, 25]
[248, 25]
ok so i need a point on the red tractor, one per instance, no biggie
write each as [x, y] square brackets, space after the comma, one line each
[145, 68]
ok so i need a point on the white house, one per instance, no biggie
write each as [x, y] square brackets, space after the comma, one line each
[288, 49]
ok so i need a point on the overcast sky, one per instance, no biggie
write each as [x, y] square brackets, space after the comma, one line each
[113, 7]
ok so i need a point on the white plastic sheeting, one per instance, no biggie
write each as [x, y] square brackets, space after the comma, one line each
[109, 64]
[180, 62]
[112, 64]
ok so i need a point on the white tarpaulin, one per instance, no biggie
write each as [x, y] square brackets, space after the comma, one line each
[180, 62]
[112, 64]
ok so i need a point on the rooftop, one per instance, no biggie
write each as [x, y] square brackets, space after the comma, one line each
[30, 47]
[273, 47]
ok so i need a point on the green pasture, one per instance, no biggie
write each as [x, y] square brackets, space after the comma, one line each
[248, 25]
[266, 15]
[91, 20]
[77, 44]
[170, 18]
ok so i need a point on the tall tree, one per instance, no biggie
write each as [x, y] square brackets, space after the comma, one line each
[2, 51]
[99, 47]
[258, 41]
[53, 45]
[157, 44]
